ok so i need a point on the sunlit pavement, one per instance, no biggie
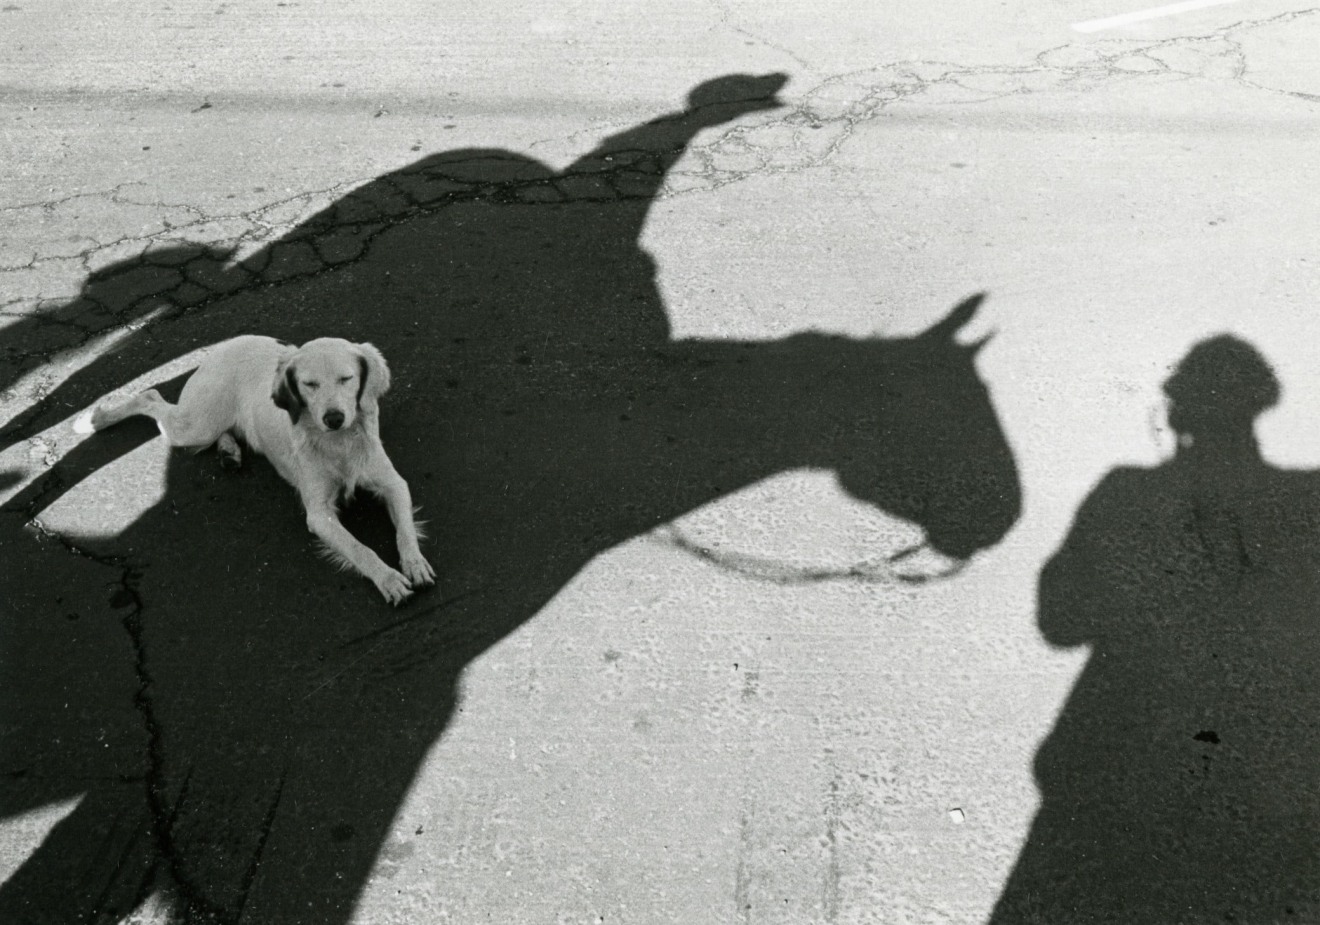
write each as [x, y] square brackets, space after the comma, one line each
[728, 717]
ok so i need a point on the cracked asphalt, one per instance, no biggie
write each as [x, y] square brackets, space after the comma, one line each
[774, 586]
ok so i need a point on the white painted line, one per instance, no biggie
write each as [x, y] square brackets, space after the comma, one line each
[1155, 12]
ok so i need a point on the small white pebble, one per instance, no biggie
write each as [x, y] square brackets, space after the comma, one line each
[957, 816]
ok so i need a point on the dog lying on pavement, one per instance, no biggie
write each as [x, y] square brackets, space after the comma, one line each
[313, 411]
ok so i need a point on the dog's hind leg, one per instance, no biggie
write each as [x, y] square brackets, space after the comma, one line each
[177, 426]
[149, 403]
[231, 454]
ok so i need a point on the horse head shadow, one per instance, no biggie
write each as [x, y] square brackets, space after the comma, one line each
[542, 414]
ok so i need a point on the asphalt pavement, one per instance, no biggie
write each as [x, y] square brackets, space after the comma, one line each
[870, 454]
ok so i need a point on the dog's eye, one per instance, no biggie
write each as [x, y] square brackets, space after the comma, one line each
[343, 379]
[312, 385]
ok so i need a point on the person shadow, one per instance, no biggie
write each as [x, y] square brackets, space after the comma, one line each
[1179, 782]
[239, 724]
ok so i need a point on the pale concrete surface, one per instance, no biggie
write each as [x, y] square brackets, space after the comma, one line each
[655, 738]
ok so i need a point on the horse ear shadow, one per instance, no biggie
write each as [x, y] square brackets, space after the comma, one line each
[968, 306]
[976, 346]
[955, 320]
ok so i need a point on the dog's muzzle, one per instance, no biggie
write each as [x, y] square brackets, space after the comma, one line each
[333, 419]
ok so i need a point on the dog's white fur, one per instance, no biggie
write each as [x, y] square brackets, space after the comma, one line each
[313, 412]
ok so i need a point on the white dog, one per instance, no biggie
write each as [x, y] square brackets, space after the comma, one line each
[313, 412]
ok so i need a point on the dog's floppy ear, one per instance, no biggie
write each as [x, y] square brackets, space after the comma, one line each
[373, 374]
[284, 391]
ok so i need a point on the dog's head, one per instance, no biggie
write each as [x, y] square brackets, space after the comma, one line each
[332, 380]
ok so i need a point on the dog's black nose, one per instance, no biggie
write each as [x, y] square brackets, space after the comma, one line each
[333, 419]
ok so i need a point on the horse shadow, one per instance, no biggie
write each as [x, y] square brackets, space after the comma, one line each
[1179, 782]
[239, 724]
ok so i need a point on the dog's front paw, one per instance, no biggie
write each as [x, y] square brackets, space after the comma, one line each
[394, 586]
[231, 455]
[418, 570]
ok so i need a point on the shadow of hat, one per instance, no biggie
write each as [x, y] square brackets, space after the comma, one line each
[1223, 382]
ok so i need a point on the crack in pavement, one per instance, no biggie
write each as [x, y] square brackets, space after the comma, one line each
[162, 810]
[254, 863]
[726, 15]
[338, 228]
